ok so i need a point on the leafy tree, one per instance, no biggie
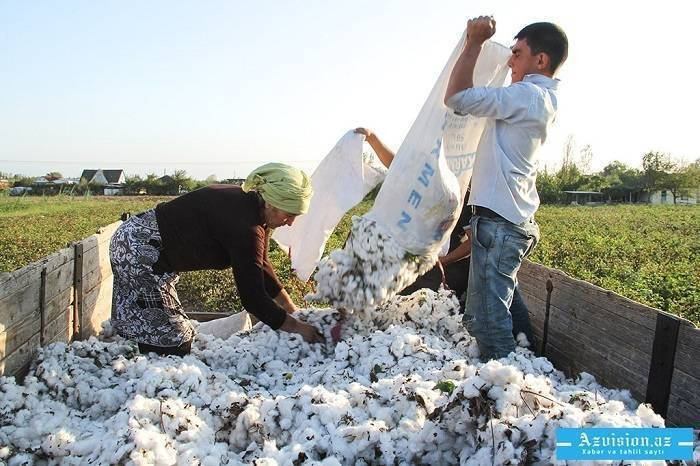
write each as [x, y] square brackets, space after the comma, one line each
[656, 167]
[548, 188]
[133, 184]
[594, 182]
[622, 183]
[693, 174]
[176, 183]
[585, 159]
[152, 184]
[182, 181]
[25, 181]
[682, 179]
[570, 177]
[235, 181]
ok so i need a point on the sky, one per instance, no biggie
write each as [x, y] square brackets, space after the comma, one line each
[220, 87]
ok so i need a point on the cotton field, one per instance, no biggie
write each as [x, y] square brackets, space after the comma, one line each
[402, 386]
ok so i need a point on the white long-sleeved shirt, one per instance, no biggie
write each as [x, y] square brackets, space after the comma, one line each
[505, 166]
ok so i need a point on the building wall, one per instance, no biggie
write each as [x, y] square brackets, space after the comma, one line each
[666, 197]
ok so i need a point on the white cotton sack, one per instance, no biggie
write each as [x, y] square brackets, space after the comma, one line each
[225, 327]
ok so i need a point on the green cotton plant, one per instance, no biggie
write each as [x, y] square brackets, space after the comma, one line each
[647, 253]
[643, 252]
[33, 227]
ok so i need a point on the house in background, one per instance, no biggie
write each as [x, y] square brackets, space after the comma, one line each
[20, 190]
[584, 197]
[691, 197]
[48, 185]
[110, 181]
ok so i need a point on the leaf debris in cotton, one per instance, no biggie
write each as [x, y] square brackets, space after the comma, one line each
[403, 386]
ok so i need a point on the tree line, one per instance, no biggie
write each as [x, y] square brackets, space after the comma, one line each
[176, 183]
[618, 182]
[151, 184]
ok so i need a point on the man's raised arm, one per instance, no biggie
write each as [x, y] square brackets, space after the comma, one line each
[479, 30]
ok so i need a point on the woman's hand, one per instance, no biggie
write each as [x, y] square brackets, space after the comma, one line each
[364, 131]
[386, 155]
[463, 251]
[308, 332]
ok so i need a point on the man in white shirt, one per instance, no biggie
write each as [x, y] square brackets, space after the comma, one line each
[503, 194]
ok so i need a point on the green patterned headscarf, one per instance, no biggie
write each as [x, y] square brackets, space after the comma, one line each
[281, 186]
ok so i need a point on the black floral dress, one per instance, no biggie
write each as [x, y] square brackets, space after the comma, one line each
[145, 306]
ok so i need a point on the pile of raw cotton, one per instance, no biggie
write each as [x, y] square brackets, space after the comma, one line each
[370, 268]
[402, 386]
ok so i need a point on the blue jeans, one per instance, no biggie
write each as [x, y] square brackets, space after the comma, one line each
[498, 249]
[521, 318]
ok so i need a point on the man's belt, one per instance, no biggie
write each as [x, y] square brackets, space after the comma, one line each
[484, 212]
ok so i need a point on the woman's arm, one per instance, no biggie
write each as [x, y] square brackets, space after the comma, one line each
[462, 251]
[285, 301]
[273, 285]
[386, 155]
[247, 258]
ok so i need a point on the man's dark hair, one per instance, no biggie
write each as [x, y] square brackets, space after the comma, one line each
[548, 38]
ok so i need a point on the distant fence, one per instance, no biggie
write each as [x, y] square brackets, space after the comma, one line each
[624, 344]
[62, 297]
[580, 327]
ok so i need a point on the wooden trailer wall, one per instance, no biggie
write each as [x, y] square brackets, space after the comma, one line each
[624, 344]
[62, 297]
[579, 326]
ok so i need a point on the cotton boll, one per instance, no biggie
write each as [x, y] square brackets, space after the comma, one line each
[506, 398]
[615, 407]
[648, 417]
[505, 452]
[152, 447]
[370, 268]
[532, 428]
[480, 457]
[498, 374]
[522, 340]
[326, 462]
[58, 444]
[472, 386]
[21, 459]
[542, 365]
[457, 370]
[397, 347]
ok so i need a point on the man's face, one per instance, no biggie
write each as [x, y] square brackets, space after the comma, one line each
[523, 62]
[277, 217]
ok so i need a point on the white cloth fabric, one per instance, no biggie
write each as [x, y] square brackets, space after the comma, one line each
[421, 198]
[505, 168]
[341, 180]
[225, 327]
[423, 193]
